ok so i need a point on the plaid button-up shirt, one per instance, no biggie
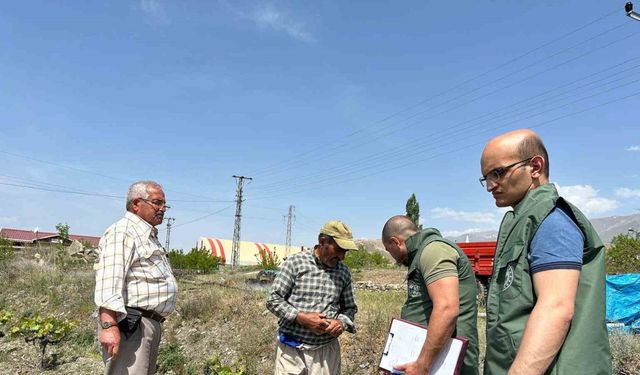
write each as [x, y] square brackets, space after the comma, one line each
[133, 269]
[304, 284]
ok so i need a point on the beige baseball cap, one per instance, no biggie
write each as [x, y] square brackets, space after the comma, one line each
[341, 233]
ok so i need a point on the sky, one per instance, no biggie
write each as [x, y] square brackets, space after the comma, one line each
[341, 109]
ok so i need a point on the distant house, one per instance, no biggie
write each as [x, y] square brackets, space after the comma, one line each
[21, 238]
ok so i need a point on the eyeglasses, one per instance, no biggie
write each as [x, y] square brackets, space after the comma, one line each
[496, 174]
[157, 203]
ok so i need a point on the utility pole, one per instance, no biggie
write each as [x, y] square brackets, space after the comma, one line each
[235, 248]
[166, 247]
[290, 218]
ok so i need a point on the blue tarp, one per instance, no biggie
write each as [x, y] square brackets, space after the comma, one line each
[623, 299]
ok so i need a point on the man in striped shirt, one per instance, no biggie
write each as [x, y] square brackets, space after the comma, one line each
[135, 287]
[312, 297]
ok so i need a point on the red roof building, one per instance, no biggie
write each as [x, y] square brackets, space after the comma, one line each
[21, 237]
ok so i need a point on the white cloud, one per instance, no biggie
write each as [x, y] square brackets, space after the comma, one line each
[154, 10]
[586, 198]
[469, 216]
[628, 193]
[267, 16]
[633, 148]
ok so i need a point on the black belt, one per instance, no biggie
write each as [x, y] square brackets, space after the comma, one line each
[149, 314]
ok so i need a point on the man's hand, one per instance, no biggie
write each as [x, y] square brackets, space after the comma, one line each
[335, 328]
[314, 321]
[110, 337]
[110, 340]
[411, 368]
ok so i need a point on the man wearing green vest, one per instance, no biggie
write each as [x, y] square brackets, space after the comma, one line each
[441, 291]
[546, 303]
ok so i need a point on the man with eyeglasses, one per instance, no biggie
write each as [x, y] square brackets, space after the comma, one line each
[546, 303]
[312, 296]
[135, 287]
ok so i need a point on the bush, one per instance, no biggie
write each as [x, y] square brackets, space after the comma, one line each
[6, 249]
[624, 255]
[268, 261]
[199, 260]
[361, 258]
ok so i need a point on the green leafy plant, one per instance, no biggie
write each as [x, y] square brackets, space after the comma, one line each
[5, 317]
[42, 332]
[213, 366]
[6, 249]
[361, 258]
[268, 261]
[199, 260]
[624, 255]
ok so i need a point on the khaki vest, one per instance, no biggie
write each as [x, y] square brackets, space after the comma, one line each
[512, 298]
[418, 306]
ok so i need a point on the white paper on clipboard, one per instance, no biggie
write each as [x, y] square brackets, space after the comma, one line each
[404, 343]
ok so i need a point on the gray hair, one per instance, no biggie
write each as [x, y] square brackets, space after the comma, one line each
[399, 226]
[139, 190]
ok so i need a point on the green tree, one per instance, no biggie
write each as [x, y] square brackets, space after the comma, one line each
[623, 256]
[413, 210]
[6, 249]
[60, 256]
[63, 231]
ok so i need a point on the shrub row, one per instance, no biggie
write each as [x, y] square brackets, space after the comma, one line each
[199, 260]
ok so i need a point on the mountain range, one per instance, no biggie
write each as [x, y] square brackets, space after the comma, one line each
[607, 228]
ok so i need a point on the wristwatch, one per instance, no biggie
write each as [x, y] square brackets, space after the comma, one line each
[107, 324]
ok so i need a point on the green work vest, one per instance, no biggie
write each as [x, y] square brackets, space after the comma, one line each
[512, 298]
[418, 306]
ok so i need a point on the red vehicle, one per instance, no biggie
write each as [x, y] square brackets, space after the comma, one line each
[480, 255]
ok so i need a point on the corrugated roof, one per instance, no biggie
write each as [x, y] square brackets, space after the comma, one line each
[26, 235]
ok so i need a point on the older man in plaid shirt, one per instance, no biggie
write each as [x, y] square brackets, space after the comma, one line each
[313, 300]
[135, 287]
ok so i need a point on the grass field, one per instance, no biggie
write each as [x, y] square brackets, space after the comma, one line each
[218, 323]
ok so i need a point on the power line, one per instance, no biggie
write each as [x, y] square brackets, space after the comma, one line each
[92, 172]
[458, 147]
[202, 217]
[435, 137]
[328, 153]
[62, 191]
[44, 186]
[440, 94]
[408, 154]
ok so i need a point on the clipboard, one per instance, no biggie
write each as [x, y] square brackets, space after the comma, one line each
[404, 343]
